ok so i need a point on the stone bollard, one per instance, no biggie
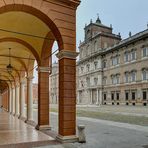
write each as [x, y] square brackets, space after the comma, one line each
[81, 133]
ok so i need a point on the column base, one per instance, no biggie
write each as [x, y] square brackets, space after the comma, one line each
[11, 113]
[16, 115]
[22, 118]
[43, 127]
[30, 122]
[67, 139]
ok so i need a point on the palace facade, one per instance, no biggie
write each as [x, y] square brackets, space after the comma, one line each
[109, 70]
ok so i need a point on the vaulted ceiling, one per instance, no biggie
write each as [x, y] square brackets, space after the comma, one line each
[25, 35]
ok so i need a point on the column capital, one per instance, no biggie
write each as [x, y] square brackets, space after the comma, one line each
[29, 78]
[43, 69]
[17, 84]
[22, 82]
[67, 54]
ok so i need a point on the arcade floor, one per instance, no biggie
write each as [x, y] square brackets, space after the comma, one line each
[14, 132]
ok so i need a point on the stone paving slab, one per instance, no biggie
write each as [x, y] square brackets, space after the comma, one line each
[14, 132]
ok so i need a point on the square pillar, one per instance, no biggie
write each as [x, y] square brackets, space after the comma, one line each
[43, 98]
[67, 96]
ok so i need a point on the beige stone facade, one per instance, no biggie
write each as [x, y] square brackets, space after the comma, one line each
[111, 70]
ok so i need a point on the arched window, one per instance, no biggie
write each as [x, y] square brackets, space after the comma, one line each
[144, 74]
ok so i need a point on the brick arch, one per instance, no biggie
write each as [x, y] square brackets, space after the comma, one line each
[36, 10]
[27, 45]
[46, 50]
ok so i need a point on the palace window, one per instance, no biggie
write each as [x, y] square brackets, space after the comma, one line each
[133, 95]
[118, 96]
[126, 95]
[144, 95]
[112, 96]
[115, 60]
[82, 70]
[133, 55]
[104, 80]
[104, 97]
[104, 65]
[144, 74]
[96, 81]
[96, 65]
[126, 77]
[88, 67]
[88, 81]
[144, 52]
[126, 56]
[115, 79]
[133, 76]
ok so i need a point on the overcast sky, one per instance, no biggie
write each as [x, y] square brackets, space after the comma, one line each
[124, 15]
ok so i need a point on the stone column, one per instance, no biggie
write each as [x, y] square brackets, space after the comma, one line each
[14, 99]
[29, 119]
[22, 101]
[10, 100]
[43, 98]
[97, 102]
[0, 100]
[67, 96]
[17, 100]
[91, 97]
[100, 97]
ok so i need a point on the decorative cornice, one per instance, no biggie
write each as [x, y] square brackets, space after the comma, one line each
[43, 69]
[67, 54]
[70, 3]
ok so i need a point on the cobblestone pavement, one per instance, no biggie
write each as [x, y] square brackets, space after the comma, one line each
[106, 134]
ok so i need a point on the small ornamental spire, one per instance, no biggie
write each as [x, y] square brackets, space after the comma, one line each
[98, 19]
[130, 34]
[119, 34]
[91, 21]
[111, 26]
[147, 25]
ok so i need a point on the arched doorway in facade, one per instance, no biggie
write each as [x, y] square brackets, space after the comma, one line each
[29, 29]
